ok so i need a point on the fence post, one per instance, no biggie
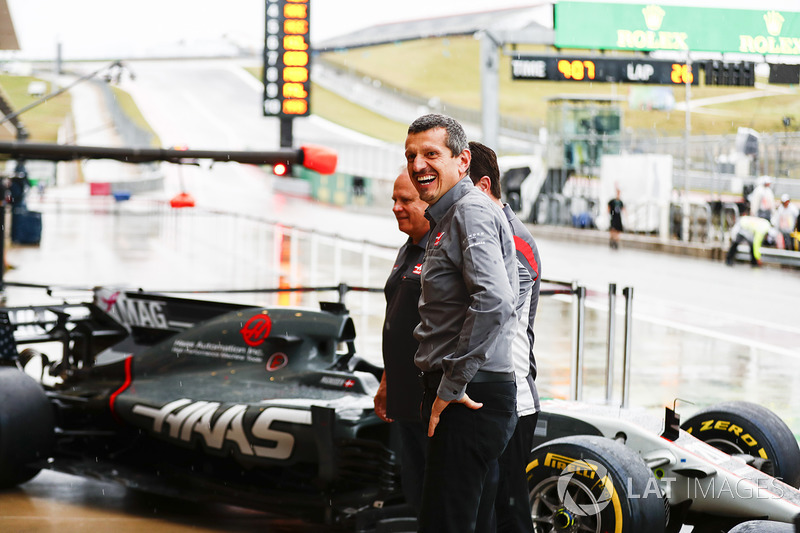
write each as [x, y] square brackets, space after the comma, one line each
[294, 254]
[277, 241]
[626, 353]
[337, 260]
[612, 306]
[365, 277]
[314, 258]
[579, 311]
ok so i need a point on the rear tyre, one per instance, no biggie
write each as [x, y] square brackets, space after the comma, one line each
[748, 428]
[762, 526]
[26, 427]
[593, 484]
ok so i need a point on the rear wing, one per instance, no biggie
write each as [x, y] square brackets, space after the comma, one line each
[152, 317]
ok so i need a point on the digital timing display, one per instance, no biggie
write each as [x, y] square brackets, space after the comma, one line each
[287, 65]
[600, 69]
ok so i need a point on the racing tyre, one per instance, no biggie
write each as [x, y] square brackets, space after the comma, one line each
[748, 428]
[762, 526]
[593, 484]
[26, 427]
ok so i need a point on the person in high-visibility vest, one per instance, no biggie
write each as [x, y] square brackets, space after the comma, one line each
[753, 230]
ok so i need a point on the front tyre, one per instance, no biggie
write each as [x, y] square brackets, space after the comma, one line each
[26, 427]
[748, 428]
[762, 526]
[593, 484]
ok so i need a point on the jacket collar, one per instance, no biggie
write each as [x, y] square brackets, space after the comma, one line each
[435, 212]
[423, 242]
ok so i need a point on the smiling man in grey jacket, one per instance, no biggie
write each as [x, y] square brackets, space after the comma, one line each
[467, 324]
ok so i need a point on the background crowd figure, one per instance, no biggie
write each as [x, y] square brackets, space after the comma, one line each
[765, 221]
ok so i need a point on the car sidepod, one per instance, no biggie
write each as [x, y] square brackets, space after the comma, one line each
[254, 404]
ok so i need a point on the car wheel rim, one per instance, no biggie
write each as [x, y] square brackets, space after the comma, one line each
[552, 514]
[725, 446]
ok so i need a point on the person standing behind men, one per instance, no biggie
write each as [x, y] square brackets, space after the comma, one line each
[512, 510]
[762, 199]
[785, 221]
[467, 324]
[615, 208]
[399, 395]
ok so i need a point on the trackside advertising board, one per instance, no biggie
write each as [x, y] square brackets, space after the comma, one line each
[648, 27]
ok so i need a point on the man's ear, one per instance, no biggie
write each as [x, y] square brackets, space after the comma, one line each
[464, 159]
[484, 184]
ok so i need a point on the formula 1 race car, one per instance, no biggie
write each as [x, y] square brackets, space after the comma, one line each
[261, 408]
[270, 408]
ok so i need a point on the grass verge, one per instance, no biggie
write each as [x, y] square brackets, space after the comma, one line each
[343, 112]
[131, 110]
[448, 68]
[42, 121]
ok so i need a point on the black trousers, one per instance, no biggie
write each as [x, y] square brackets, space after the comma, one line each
[461, 452]
[512, 505]
[413, 446]
[788, 240]
[734, 245]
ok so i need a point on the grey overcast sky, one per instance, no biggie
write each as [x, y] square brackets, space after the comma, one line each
[120, 28]
[106, 28]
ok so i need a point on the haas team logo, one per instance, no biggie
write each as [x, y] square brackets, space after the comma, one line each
[256, 330]
[277, 361]
[110, 301]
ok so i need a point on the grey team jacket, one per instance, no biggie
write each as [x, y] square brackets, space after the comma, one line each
[529, 266]
[469, 290]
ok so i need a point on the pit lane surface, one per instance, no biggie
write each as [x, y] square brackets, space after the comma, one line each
[67, 504]
[701, 331]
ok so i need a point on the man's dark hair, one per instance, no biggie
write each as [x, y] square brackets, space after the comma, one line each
[456, 139]
[484, 163]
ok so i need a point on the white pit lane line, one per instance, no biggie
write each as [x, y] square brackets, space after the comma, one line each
[699, 330]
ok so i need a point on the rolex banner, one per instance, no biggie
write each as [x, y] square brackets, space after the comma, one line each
[648, 27]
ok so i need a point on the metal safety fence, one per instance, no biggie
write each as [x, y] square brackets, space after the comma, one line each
[241, 258]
